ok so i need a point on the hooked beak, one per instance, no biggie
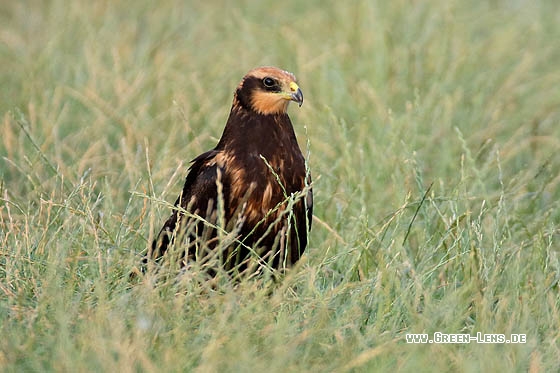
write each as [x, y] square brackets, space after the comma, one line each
[297, 94]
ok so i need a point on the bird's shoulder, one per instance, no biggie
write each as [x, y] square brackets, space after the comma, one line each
[207, 168]
[201, 178]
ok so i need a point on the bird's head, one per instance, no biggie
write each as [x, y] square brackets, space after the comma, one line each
[268, 91]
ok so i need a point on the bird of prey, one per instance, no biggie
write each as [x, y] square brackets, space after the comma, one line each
[247, 202]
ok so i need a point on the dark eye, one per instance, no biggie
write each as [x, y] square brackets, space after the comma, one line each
[269, 82]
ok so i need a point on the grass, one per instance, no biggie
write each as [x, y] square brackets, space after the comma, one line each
[433, 133]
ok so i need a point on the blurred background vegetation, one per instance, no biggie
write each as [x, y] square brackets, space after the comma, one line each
[433, 136]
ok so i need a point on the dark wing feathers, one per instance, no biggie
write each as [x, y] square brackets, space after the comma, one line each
[199, 189]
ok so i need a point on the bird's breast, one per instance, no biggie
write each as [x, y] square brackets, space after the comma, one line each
[258, 185]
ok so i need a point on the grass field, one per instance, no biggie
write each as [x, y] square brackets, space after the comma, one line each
[433, 135]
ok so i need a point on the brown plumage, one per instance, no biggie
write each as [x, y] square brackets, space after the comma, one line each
[253, 186]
